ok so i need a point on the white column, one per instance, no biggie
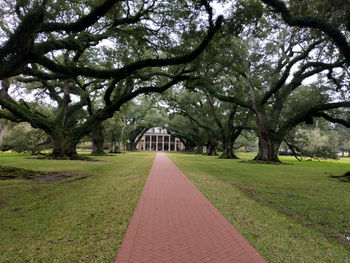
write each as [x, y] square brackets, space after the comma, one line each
[156, 142]
[150, 142]
[163, 143]
[144, 142]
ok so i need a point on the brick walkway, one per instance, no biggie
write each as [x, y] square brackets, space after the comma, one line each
[174, 222]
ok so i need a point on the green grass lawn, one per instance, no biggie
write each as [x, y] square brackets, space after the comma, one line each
[70, 221]
[290, 213]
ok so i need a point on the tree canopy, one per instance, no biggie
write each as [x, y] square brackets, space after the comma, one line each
[75, 68]
[73, 53]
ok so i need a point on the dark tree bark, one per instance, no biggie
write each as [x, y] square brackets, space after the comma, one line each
[66, 96]
[112, 147]
[131, 146]
[228, 132]
[98, 139]
[268, 149]
[228, 151]
[228, 145]
[63, 146]
[189, 146]
[233, 134]
[268, 146]
[211, 148]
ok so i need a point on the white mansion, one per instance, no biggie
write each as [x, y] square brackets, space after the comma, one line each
[157, 139]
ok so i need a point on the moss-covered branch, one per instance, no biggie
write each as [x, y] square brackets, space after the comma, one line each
[329, 29]
[315, 111]
[16, 50]
[118, 74]
[303, 74]
[286, 73]
[70, 43]
[226, 98]
[5, 114]
[83, 22]
[25, 114]
[332, 119]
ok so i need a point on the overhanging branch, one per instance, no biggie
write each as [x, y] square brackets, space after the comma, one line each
[312, 22]
[330, 118]
[118, 74]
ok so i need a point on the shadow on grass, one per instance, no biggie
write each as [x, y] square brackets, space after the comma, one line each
[14, 173]
[345, 178]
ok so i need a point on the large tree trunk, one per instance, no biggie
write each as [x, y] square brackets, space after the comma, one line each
[189, 146]
[268, 145]
[228, 152]
[268, 149]
[98, 140]
[64, 147]
[113, 146]
[211, 149]
[131, 146]
[229, 142]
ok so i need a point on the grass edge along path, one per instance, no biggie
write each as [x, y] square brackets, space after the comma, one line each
[276, 236]
[79, 221]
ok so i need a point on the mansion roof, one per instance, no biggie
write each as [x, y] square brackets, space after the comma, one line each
[157, 130]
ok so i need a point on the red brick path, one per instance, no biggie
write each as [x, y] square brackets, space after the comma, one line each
[174, 222]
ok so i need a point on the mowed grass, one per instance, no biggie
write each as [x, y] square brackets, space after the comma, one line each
[289, 213]
[70, 221]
